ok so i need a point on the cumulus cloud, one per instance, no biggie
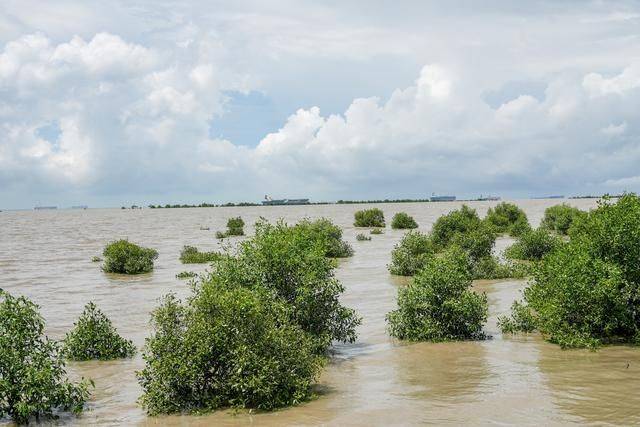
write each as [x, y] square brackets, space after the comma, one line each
[122, 102]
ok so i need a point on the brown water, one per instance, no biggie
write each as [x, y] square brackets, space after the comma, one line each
[376, 381]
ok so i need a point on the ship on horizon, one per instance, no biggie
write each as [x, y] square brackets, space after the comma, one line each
[44, 208]
[268, 201]
[435, 198]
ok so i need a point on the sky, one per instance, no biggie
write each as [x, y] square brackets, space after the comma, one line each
[138, 102]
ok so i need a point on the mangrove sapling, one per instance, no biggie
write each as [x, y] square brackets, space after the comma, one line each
[559, 218]
[491, 268]
[411, 254]
[186, 275]
[248, 355]
[376, 231]
[96, 259]
[533, 245]
[402, 220]
[125, 257]
[369, 218]
[235, 226]
[362, 237]
[33, 379]
[461, 221]
[586, 292]
[328, 234]
[439, 305]
[93, 337]
[508, 218]
[295, 268]
[191, 255]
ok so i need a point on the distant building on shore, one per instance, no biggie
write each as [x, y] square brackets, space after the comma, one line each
[435, 198]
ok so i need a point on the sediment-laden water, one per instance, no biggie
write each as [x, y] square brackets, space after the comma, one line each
[46, 256]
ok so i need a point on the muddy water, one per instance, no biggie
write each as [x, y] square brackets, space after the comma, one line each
[376, 381]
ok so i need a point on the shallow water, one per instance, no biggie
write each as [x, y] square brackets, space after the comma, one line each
[376, 381]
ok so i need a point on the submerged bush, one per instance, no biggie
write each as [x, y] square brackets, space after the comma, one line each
[33, 380]
[439, 304]
[559, 218]
[455, 223]
[491, 268]
[191, 255]
[96, 259]
[94, 338]
[284, 260]
[226, 347]
[125, 257]
[369, 218]
[402, 220]
[362, 237]
[587, 291]
[186, 275]
[328, 234]
[235, 227]
[533, 245]
[411, 254]
[508, 218]
[376, 231]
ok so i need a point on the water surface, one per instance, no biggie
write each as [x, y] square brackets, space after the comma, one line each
[46, 256]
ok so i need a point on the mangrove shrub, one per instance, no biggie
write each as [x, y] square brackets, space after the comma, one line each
[327, 234]
[362, 237]
[439, 304]
[235, 227]
[369, 218]
[587, 291]
[93, 337]
[411, 254]
[402, 220]
[533, 245]
[559, 218]
[508, 218]
[284, 260]
[125, 257]
[33, 380]
[191, 255]
[228, 346]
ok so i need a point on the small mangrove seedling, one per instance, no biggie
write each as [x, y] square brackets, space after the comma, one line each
[94, 338]
[96, 259]
[33, 380]
[186, 275]
[362, 237]
[376, 231]
[402, 221]
[235, 227]
[125, 257]
[369, 218]
[191, 255]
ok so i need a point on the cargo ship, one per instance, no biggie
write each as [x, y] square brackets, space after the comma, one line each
[268, 201]
[44, 208]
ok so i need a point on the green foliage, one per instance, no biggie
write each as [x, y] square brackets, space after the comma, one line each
[439, 304]
[490, 268]
[477, 242]
[559, 218]
[587, 291]
[533, 245]
[369, 218]
[328, 234]
[96, 259]
[402, 220]
[33, 380]
[186, 275]
[508, 218]
[94, 338]
[362, 237]
[235, 227]
[228, 346]
[287, 262]
[191, 255]
[125, 257]
[521, 319]
[376, 231]
[455, 223]
[411, 254]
